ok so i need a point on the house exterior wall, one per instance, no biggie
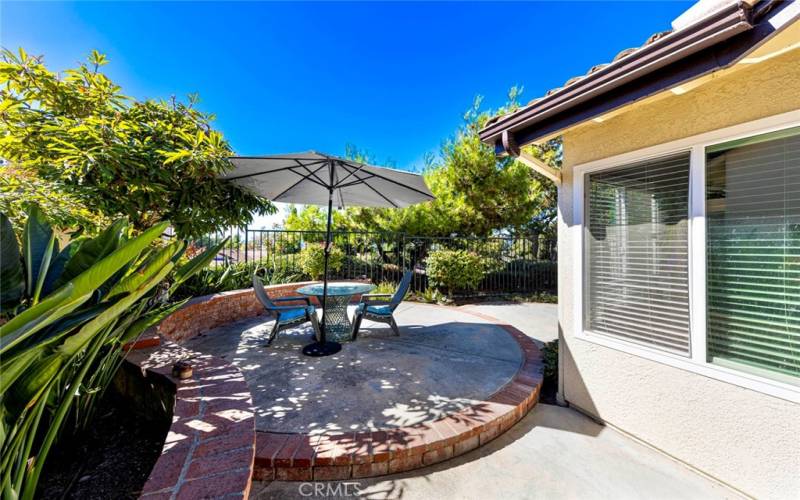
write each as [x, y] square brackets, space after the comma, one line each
[745, 438]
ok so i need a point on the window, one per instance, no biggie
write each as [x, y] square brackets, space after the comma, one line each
[637, 253]
[753, 253]
[691, 258]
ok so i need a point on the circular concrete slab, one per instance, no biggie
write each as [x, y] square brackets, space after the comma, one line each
[443, 361]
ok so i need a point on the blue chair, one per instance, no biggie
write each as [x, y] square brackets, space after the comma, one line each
[382, 311]
[285, 316]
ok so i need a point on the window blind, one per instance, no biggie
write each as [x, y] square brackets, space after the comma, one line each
[637, 253]
[753, 253]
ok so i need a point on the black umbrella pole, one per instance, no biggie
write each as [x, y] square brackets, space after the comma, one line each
[324, 348]
[325, 267]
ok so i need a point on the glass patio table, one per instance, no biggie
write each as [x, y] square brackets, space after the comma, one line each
[337, 325]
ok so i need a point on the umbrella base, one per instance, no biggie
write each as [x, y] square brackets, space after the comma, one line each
[318, 349]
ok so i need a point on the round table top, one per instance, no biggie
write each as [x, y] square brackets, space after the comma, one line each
[336, 288]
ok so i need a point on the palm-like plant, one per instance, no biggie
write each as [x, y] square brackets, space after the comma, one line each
[64, 315]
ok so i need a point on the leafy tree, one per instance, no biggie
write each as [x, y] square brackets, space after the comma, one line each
[477, 194]
[313, 218]
[147, 160]
[21, 188]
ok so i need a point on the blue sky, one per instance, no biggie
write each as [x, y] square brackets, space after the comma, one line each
[393, 78]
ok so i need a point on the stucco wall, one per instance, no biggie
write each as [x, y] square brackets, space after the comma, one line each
[742, 437]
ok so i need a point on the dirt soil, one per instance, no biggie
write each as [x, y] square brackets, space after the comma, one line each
[110, 460]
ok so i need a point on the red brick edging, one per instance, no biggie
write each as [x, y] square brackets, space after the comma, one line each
[210, 446]
[209, 450]
[304, 457]
[214, 450]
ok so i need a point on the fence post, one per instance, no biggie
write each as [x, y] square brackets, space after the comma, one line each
[400, 248]
[245, 244]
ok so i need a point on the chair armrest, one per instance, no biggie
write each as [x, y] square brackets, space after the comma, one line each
[377, 303]
[286, 308]
[371, 298]
[307, 300]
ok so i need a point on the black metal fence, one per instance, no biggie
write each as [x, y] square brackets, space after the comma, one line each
[517, 264]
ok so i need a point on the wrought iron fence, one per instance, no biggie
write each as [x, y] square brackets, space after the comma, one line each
[518, 264]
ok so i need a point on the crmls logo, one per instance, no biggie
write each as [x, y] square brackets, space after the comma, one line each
[343, 489]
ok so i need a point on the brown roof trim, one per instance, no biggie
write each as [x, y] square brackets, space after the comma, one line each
[687, 52]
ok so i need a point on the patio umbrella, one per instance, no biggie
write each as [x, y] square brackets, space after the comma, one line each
[313, 178]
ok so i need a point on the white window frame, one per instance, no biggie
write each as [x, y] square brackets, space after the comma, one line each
[696, 361]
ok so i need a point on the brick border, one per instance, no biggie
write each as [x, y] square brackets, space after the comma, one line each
[202, 314]
[210, 446]
[213, 449]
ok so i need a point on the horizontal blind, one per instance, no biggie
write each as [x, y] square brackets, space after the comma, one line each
[753, 253]
[637, 253]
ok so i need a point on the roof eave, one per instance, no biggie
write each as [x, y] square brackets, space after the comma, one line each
[689, 52]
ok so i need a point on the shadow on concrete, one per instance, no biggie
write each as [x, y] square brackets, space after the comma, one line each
[379, 382]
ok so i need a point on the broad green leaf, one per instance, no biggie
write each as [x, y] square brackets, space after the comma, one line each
[57, 264]
[92, 251]
[12, 281]
[30, 321]
[77, 342]
[68, 323]
[90, 280]
[15, 367]
[173, 157]
[66, 299]
[196, 264]
[37, 248]
[33, 381]
[8, 104]
[146, 270]
[149, 320]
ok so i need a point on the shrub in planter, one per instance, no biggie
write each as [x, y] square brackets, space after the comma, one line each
[550, 359]
[453, 270]
[64, 315]
[550, 382]
[312, 260]
[216, 279]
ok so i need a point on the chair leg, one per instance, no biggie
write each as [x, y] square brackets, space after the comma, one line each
[394, 326]
[312, 316]
[274, 331]
[356, 325]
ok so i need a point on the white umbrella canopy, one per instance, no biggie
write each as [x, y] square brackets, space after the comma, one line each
[307, 178]
[313, 178]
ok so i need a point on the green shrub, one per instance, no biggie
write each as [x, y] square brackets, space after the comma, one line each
[550, 357]
[454, 270]
[542, 297]
[312, 260]
[429, 296]
[64, 315]
[216, 279]
[385, 287]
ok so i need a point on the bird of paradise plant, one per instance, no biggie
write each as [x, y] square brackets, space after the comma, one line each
[65, 313]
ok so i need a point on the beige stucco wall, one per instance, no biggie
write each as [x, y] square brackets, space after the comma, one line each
[742, 437]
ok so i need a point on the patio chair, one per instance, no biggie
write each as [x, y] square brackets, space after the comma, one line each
[285, 316]
[382, 311]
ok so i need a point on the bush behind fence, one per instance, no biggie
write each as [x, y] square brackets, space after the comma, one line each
[519, 265]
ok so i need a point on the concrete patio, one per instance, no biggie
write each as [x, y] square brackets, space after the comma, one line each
[552, 452]
[445, 360]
